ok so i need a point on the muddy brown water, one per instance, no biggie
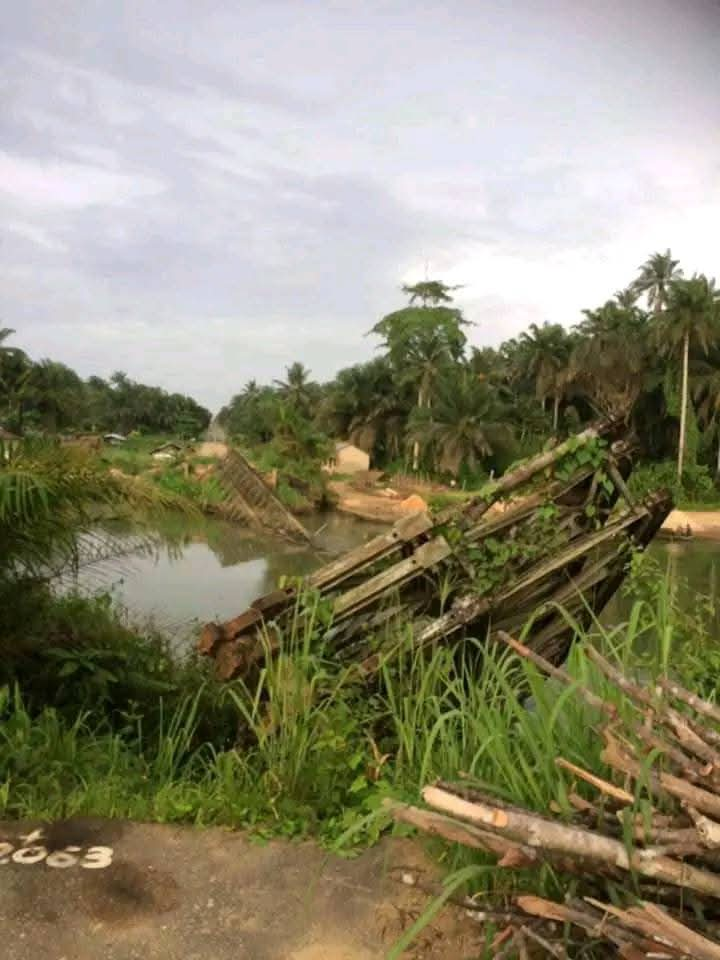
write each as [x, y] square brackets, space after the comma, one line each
[210, 569]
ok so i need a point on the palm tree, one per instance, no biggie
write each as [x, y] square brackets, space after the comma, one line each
[466, 424]
[627, 298]
[367, 405]
[544, 355]
[58, 394]
[15, 370]
[610, 361]
[297, 388]
[656, 275]
[692, 316]
[51, 499]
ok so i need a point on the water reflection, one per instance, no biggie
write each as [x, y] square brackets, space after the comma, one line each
[204, 569]
[691, 569]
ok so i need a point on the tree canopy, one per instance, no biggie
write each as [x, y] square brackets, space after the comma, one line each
[51, 397]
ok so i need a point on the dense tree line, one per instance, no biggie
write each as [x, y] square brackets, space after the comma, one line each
[50, 397]
[651, 354]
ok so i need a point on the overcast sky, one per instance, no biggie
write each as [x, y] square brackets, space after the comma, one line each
[202, 191]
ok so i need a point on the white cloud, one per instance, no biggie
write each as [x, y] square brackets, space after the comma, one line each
[34, 183]
[200, 199]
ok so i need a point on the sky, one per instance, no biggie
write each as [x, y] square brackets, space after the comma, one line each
[200, 192]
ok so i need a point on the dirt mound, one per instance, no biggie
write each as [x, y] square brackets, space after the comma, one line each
[413, 504]
[212, 449]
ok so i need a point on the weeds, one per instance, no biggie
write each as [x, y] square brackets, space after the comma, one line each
[304, 748]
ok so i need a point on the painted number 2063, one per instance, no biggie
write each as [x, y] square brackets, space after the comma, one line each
[94, 858]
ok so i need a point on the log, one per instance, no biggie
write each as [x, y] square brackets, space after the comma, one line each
[700, 706]
[703, 800]
[537, 832]
[609, 789]
[557, 673]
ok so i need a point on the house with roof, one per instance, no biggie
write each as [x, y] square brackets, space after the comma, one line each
[347, 458]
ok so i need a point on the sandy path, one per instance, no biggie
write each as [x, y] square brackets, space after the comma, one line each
[179, 893]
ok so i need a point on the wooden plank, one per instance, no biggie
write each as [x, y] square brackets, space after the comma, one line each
[426, 556]
[577, 549]
[471, 607]
[526, 471]
[404, 531]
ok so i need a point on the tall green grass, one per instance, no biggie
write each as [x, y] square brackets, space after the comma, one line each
[305, 747]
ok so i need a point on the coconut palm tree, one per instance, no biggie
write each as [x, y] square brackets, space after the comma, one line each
[656, 275]
[691, 317]
[297, 389]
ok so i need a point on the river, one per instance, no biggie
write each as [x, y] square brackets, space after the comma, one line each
[208, 569]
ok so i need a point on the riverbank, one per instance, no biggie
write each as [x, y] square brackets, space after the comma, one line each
[693, 523]
[390, 505]
[383, 507]
[320, 766]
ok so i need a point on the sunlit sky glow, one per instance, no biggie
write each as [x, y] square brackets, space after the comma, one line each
[201, 193]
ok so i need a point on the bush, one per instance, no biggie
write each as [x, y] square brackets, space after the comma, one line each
[697, 485]
[74, 653]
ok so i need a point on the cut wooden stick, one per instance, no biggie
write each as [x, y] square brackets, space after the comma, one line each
[537, 832]
[691, 699]
[618, 678]
[616, 756]
[437, 825]
[604, 786]
[556, 672]
[653, 922]
[581, 915]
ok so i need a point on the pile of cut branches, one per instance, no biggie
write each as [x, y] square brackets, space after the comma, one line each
[646, 835]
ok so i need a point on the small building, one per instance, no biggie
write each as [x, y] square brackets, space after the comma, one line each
[348, 459]
[114, 439]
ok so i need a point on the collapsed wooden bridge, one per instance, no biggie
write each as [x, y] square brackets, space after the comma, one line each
[251, 501]
[550, 538]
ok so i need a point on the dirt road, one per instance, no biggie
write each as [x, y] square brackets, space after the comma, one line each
[176, 893]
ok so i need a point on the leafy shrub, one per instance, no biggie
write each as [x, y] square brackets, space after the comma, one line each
[696, 486]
